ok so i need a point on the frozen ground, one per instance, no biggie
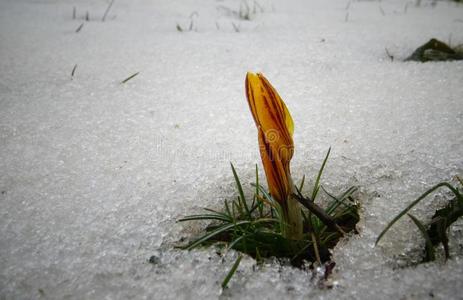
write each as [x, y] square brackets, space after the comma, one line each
[93, 174]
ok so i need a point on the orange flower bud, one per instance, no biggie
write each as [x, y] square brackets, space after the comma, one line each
[275, 132]
[275, 129]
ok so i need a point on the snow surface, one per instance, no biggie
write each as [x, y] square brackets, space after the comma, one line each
[94, 174]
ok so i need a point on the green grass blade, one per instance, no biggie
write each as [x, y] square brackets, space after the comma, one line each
[240, 189]
[260, 205]
[315, 248]
[319, 212]
[301, 185]
[236, 241]
[210, 235]
[253, 205]
[258, 256]
[430, 253]
[403, 212]
[266, 194]
[130, 77]
[239, 207]
[328, 237]
[233, 210]
[300, 251]
[275, 206]
[214, 212]
[232, 271]
[228, 212]
[320, 172]
[257, 181]
[338, 201]
[304, 217]
[265, 201]
[205, 217]
[265, 220]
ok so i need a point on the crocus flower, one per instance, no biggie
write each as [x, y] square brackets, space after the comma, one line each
[275, 129]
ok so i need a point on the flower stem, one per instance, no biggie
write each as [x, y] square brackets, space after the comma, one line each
[293, 216]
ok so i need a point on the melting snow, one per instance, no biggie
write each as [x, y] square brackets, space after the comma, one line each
[94, 173]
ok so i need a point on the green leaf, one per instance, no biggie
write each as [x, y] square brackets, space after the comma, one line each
[236, 241]
[430, 253]
[258, 256]
[232, 271]
[257, 181]
[260, 205]
[217, 212]
[320, 172]
[302, 183]
[275, 207]
[239, 207]
[338, 200]
[205, 217]
[315, 248]
[240, 189]
[210, 235]
[227, 209]
[265, 220]
[403, 212]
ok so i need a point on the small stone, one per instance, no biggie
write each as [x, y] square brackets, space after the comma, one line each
[154, 260]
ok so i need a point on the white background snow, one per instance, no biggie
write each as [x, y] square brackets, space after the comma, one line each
[94, 173]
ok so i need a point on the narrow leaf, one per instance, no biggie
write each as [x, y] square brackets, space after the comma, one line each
[340, 200]
[302, 183]
[232, 271]
[213, 233]
[320, 172]
[430, 253]
[216, 212]
[240, 189]
[130, 77]
[403, 212]
[205, 217]
[230, 246]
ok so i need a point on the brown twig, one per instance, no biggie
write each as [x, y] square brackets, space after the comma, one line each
[319, 212]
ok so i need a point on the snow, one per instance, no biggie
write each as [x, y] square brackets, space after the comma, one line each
[94, 174]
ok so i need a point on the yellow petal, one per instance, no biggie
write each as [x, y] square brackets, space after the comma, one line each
[275, 130]
[276, 171]
[267, 108]
[287, 116]
[270, 114]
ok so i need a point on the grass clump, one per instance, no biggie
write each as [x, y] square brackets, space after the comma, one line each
[436, 232]
[435, 50]
[257, 227]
